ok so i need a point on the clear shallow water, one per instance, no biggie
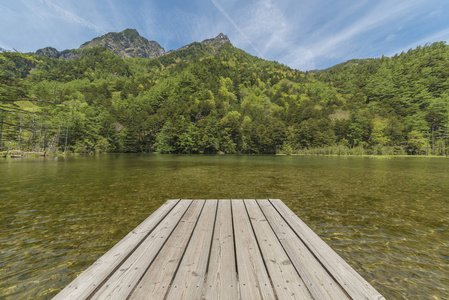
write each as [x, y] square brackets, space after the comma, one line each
[388, 218]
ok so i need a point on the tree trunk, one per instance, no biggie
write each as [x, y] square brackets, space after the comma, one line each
[40, 135]
[433, 140]
[54, 93]
[20, 131]
[66, 137]
[32, 131]
[57, 139]
[44, 142]
[1, 134]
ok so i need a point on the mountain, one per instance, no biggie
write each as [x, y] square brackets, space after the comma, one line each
[48, 52]
[218, 41]
[210, 97]
[129, 43]
[213, 44]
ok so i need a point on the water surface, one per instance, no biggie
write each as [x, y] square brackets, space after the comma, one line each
[388, 218]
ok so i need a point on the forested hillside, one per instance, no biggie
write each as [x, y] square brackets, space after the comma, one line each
[204, 99]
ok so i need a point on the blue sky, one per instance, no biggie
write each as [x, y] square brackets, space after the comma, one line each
[303, 34]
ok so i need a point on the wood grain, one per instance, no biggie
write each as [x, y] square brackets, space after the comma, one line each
[156, 281]
[221, 249]
[123, 281]
[286, 281]
[354, 284]
[254, 282]
[191, 274]
[320, 284]
[85, 284]
[221, 283]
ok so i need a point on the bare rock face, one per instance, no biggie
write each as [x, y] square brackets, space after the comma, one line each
[48, 51]
[70, 54]
[64, 55]
[218, 41]
[213, 44]
[127, 43]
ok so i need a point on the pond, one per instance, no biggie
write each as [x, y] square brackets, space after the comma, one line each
[387, 217]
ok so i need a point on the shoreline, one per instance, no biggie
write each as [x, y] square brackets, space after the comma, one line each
[16, 154]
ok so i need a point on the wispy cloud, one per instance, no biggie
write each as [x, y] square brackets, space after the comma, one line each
[378, 17]
[442, 35]
[304, 34]
[71, 17]
[276, 31]
[343, 40]
[225, 14]
[5, 47]
[266, 23]
[301, 58]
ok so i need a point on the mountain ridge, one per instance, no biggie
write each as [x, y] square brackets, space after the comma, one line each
[196, 101]
[129, 43]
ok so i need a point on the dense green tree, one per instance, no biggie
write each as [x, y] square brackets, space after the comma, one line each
[200, 100]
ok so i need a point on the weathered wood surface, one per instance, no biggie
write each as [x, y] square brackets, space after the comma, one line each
[222, 275]
[84, 286]
[221, 249]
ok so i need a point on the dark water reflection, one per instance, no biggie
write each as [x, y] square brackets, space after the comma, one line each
[389, 218]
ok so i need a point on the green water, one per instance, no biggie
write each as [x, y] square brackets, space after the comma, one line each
[388, 218]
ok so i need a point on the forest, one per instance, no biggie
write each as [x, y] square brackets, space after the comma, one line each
[206, 101]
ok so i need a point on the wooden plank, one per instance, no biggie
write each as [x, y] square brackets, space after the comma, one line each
[189, 279]
[83, 286]
[123, 281]
[259, 249]
[320, 284]
[156, 281]
[221, 283]
[285, 278]
[348, 278]
[254, 282]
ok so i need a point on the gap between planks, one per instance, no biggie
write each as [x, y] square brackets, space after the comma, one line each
[221, 249]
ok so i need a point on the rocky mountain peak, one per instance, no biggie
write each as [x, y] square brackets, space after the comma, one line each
[127, 43]
[217, 41]
[48, 51]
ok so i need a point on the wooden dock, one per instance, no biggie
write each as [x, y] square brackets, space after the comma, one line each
[220, 249]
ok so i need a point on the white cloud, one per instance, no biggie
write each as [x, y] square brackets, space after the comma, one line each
[5, 47]
[383, 13]
[71, 17]
[300, 58]
[303, 34]
[225, 14]
[435, 14]
[340, 42]
[298, 35]
[268, 25]
[390, 37]
[442, 35]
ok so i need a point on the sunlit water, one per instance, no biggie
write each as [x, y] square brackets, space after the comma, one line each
[388, 218]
